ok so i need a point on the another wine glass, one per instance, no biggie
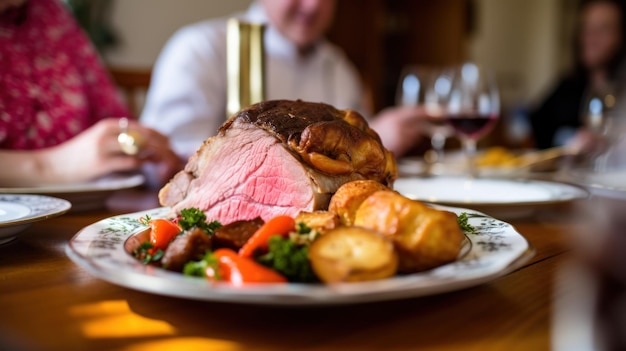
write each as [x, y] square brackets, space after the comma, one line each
[598, 123]
[427, 87]
[473, 107]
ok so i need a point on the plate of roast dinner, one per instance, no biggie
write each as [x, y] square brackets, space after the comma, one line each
[292, 203]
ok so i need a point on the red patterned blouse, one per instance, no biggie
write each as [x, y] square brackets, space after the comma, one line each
[52, 83]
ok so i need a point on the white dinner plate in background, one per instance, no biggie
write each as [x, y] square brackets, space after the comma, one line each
[84, 196]
[18, 211]
[505, 198]
[611, 183]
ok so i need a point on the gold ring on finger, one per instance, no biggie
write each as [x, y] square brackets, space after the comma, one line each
[130, 141]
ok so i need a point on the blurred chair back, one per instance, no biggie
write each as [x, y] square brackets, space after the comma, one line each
[134, 84]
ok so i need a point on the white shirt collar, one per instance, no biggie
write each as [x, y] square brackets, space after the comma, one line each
[256, 14]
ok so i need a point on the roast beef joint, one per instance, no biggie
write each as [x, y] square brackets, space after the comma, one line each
[279, 158]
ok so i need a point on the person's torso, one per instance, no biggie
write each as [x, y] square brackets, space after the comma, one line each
[42, 93]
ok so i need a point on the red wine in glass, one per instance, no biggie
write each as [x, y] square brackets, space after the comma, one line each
[472, 107]
[472, 126]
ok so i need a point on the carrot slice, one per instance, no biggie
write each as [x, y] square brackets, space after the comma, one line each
[279, 225]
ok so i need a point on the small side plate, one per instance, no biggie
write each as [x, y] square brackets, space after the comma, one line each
[18, 211]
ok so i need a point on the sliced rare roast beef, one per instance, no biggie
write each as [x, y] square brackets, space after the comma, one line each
[279, 157]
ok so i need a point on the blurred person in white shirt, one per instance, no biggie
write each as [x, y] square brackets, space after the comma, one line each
[187, 97]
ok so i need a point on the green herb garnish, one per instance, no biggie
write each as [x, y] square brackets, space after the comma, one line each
[145, 220]
[463, 219]
[304, 235]
[302, 228]
[199, 268]
[193, 217]
[289, 259]
[146, 253]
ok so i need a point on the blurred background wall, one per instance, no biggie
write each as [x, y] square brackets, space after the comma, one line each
[524, 40]
[143, 26]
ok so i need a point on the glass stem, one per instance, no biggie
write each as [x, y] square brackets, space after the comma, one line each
[470, 152]
[438, 141]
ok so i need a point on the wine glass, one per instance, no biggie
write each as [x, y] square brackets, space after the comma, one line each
[598, 123]
[473, 107]
[428, 88]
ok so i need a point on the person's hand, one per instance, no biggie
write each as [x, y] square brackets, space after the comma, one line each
[399, 128]
[96, 152]
[585, 142]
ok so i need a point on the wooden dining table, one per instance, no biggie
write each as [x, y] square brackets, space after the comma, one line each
[47, 302]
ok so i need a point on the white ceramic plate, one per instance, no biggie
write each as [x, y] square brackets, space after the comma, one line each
[611, 183]
[502, 197]
[18, 211]
[84, 196]
[494, 251]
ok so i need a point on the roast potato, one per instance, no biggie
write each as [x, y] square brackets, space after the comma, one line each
[320, 221]
[349, 197]
[350, 254]
[424, 237]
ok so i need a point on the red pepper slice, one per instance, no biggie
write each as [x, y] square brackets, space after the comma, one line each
[162, 232]
[240, 270]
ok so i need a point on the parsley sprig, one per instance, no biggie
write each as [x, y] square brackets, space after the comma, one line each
[146, 253]
[199, 268]
[193, 217]
[288, 258]
[463, 220]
